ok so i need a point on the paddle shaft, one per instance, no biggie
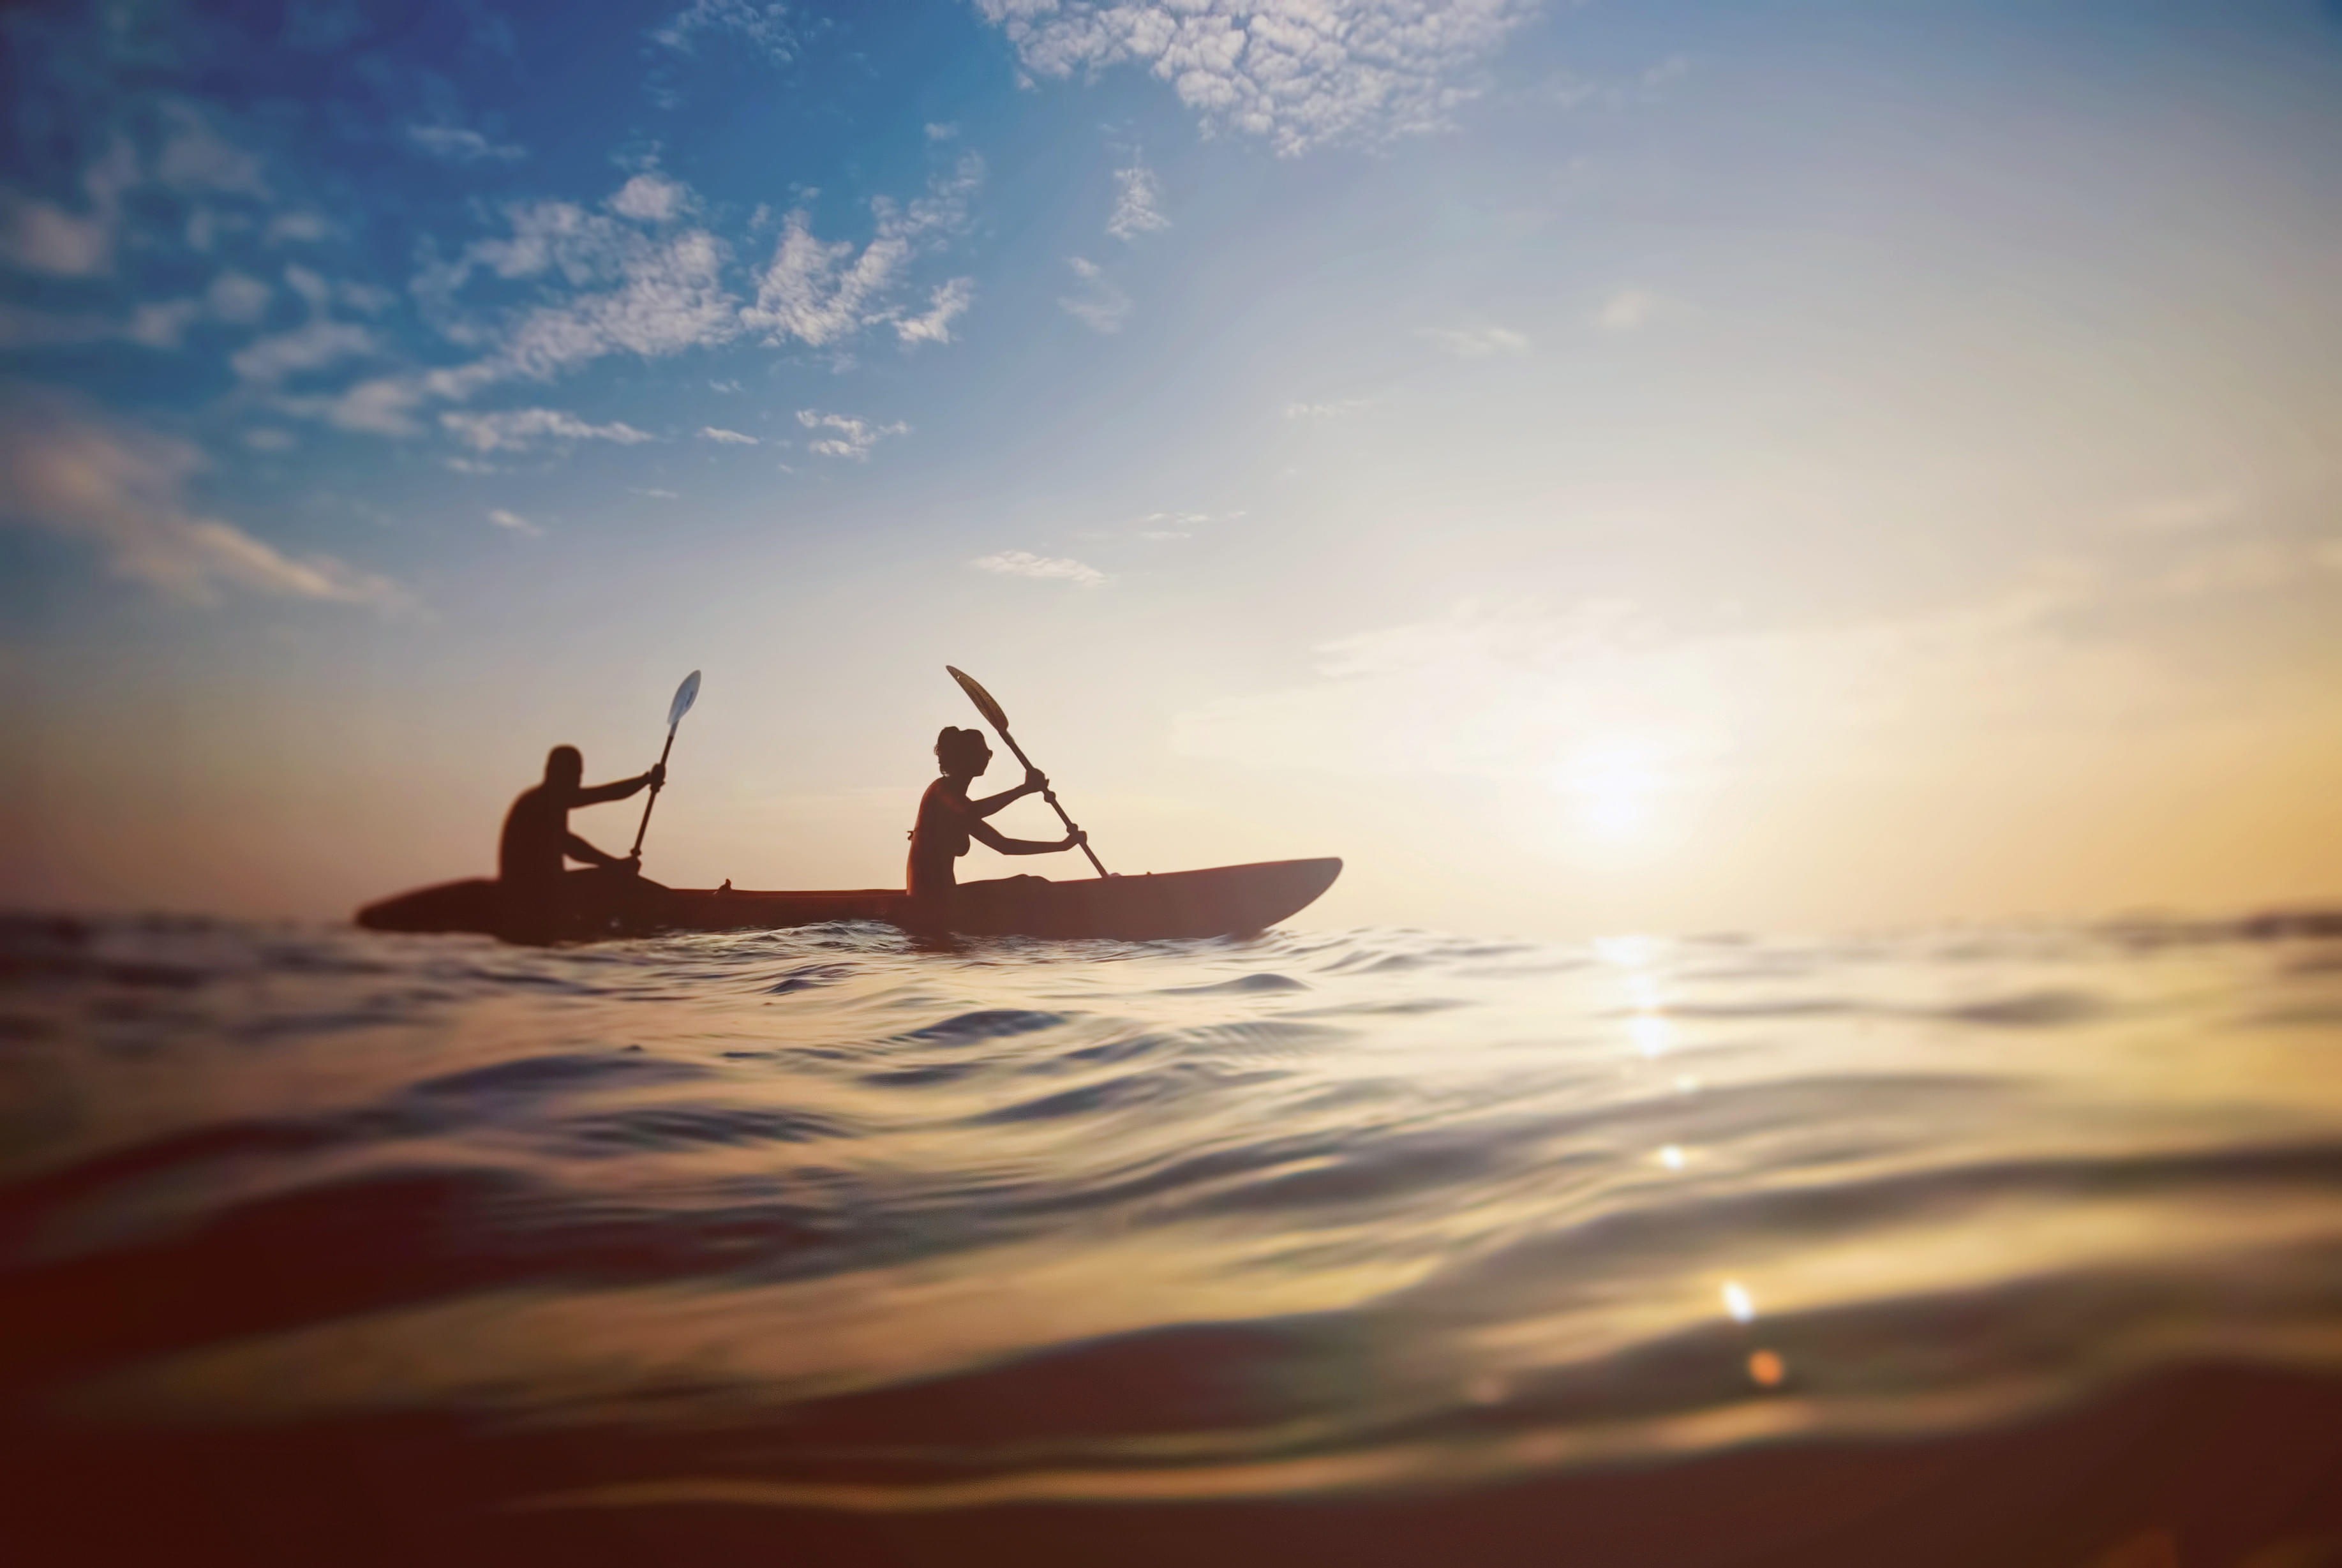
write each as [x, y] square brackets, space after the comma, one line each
[1048, 794]
[646, 825]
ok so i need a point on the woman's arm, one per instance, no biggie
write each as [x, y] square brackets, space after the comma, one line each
[991, 838]
[1035, 782]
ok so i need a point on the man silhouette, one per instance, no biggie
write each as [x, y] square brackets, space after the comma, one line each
[537, 840]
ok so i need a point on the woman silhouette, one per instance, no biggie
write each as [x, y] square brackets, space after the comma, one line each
[948, 819]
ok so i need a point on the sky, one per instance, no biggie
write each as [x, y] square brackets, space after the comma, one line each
[1633, 465]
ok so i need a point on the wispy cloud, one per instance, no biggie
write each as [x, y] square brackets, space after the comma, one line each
[39, 235]
[457, 145]
[819, 292]
[945, 305]
[725, 437]
[2185, 513]
[849, 436]
[651, 197]
[516, 522]
[196, 158]
[1138, 203]
[764, 28]
[1100, 305]
[1477, 341]
[238, 298]
[1301, 76]
[313, 345]
[517, 429]
[1024, 563]
[1336, 409]
[1629, 309]
[1572, 91]
[123, 490]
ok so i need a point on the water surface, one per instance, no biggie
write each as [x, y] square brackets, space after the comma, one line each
[821, 1221]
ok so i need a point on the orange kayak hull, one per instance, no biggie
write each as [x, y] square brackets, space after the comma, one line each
[1216, 901]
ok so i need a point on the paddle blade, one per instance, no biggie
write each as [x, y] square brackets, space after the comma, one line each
[684, 695]
[980, 697]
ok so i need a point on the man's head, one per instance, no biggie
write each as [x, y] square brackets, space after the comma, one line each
[564, 768]
[962, 754]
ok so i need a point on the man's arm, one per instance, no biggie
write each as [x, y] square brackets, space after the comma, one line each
[993, 838]
[619, 789]
[576, 848]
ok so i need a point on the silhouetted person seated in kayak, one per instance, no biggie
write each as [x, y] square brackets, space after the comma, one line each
[536, 839]
[949, 820]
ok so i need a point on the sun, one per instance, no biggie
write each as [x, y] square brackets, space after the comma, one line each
[1611, 784]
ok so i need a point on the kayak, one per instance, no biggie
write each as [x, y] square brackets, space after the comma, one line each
[1217, 901]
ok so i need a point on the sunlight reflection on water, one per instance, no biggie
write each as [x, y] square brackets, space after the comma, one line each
[1314, 1210]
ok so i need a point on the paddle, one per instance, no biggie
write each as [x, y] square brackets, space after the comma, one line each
[998, 720]
[684, 695]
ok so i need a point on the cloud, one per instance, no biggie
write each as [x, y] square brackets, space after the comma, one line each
[947, 303]
[1138, 208]
[2186, 513]
[313, 345]
[516, 522]
[625, 290]
[298, 228]
[37, 236]
[238, 298]
[670, 297]
[820, 292]
[196, 158]
[459, 145]
[626, 280]
[852, 437]
[385, 405]
[1302, 74]
[1024, 563]
[651, 198]
[1628, 309]
[41, 237]
[1337, 409]
[764, 28]
[381, 406]
[517, 429]
[936, 133]
[1100, 305]
[161, 322]
[123, 490]
[1477, 341]
[725, 437]
[1571, 91]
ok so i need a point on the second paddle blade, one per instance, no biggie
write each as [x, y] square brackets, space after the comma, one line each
[684, 695]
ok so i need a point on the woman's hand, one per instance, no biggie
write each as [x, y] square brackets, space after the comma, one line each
[1035, 781]
[1075, 840]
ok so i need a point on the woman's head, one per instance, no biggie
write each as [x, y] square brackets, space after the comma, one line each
[962, 754]
[564, 768]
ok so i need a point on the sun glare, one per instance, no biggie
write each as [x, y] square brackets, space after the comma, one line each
[1610, 784]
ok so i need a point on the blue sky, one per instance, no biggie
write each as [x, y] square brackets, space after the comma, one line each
[1593, 465]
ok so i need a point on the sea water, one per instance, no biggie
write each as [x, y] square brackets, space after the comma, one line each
[827, 1219]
